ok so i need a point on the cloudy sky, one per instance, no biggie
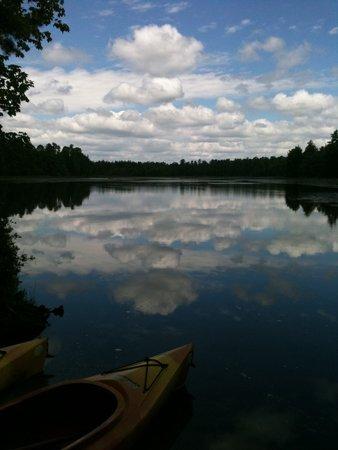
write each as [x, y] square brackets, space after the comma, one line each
[157, 80]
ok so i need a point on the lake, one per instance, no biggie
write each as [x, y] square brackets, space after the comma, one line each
[245, 269]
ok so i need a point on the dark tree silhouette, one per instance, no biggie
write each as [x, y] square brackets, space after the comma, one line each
[19, 157]
[20, 317]
[294, 162]
[331, 155]
[310, 155]
[22, 26]
[17, 199]
[309, 200]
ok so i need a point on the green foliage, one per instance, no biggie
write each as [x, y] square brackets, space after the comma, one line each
[14, 84]
[334, 138]
[19, 157]
[310, 149]
[294, 161]
[17, 199]
[331, 155]
[309, 160]
[22, 26]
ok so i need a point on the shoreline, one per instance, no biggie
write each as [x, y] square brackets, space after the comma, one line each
[315, 182]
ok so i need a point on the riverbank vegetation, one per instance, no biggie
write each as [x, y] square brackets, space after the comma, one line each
[23, 25]
[19, 157]
[21, 318]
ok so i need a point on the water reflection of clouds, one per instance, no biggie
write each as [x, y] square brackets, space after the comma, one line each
[144, 256]
[51, 240]
[311, 243]
[245, 276]
[125, 232]
[61, 287]
[158, 291]
[220, 221]
[276, 286]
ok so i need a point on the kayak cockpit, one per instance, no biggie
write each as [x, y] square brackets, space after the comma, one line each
[56, 416]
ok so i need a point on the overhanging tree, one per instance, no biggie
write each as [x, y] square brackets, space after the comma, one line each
[23, 25]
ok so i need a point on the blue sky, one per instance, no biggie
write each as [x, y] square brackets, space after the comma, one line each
[168, 80]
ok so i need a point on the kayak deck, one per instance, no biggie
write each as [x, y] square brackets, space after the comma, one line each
[104, 412]
[56, 417]
[21, 361]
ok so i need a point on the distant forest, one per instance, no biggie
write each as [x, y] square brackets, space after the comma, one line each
[19, 157]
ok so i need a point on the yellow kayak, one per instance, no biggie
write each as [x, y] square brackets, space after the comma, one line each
[21, 361]
[103, 412]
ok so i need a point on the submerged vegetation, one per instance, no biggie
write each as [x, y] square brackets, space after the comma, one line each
[19, 157]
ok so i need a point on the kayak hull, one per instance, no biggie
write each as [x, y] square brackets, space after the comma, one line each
[140, 409]
[135, 393]
[22, 361]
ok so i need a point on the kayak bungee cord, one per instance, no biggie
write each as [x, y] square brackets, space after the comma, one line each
[146, 362]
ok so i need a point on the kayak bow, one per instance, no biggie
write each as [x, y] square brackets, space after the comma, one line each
[21, 361]
[105, 412]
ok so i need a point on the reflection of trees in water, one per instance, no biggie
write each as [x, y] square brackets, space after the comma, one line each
[23, 198]
[309, 200]
[20, 318]
[198, 186]
[330, 211]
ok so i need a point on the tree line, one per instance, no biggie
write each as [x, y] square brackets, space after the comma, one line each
[19, 157]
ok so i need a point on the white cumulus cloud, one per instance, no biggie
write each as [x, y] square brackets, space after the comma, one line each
[152, 90]
[225, 104]
[273, 44]
[157, 50]
[303, 102]
[59, 55]
[294, 57]
[124, 123]
[170, 116]
[250, 51]
[49, 106]
[285, 58]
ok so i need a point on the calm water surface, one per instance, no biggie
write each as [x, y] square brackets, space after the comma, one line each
[247, 271]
